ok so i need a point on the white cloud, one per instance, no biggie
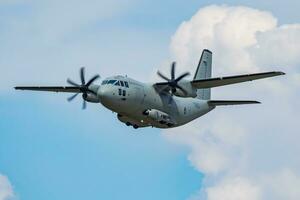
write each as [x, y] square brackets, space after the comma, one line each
[278, 47]
[284, 184]
[245, 152]
[6, 191]
[216, 28]
[235, 188]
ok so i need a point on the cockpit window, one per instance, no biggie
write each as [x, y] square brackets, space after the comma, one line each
[104, 82]
[126, 84]
[111, 82]
[116, 82]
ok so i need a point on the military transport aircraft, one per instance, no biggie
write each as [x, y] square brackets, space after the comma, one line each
[168, 104]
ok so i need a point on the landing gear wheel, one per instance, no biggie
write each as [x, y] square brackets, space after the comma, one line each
[135, 126]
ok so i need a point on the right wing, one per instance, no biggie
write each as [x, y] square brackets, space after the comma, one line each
[50, 89]
[227, 80]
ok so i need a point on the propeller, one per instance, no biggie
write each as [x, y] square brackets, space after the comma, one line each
[83, 87]
[173, 82]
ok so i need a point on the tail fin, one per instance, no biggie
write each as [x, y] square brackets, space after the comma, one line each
[203, 72]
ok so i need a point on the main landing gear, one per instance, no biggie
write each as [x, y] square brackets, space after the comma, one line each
[133, 125]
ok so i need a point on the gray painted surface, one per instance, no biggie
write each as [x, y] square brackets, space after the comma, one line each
[204, 71]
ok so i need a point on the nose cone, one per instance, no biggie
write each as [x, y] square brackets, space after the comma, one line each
[103, 94]
[109, 98]
[106, 95]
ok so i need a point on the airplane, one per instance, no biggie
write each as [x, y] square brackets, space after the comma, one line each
[168, 104]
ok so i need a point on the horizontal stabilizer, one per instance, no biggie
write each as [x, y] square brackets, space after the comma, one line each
[229, 103]
[227, 80]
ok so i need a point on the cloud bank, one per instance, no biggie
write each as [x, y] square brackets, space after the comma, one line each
[246, 152]
[6, 191]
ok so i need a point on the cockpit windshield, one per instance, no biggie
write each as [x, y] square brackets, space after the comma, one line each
[111, 82]
[115, 82]
[108, 82]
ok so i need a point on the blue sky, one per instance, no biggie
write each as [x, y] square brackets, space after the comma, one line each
[52, 153]
[51, 149]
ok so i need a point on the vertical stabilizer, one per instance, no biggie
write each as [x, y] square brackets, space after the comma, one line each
[203, 72]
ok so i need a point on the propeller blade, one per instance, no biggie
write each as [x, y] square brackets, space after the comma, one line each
[72, 97]
[82, 76]
[92, 80]
[91, 91]
[72, 83]
[182, 76]
[83, 105]
[183, 90]
[83, 87]
[163, 76]
[173, 70]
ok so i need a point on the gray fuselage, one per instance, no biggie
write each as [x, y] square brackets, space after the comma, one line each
[131, 101]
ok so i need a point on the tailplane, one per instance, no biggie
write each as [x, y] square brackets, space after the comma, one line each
[204, 72]
[229, 103]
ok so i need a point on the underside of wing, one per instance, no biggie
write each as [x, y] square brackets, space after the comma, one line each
[50, 89]
[227, 80]
[229, 103]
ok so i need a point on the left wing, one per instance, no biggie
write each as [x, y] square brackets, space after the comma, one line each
[227, 80]
[50, 89]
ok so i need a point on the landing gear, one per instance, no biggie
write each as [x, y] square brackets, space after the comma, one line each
[135, 126]
[169, 125]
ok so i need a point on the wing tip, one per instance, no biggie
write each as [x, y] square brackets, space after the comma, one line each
[231, 102]
[281, 73]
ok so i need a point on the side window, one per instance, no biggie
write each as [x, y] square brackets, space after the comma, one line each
[126, 84]
[120, 92]
[124, 93]
[184, 110]
[122, 83]
[104, 82]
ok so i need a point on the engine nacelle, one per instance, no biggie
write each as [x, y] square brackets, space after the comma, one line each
[186, 85]
[91, 98]
[158, 116]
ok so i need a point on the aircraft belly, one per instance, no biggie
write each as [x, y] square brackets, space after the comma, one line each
[180, 110]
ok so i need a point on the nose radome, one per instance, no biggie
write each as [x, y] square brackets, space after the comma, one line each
[102, 94]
